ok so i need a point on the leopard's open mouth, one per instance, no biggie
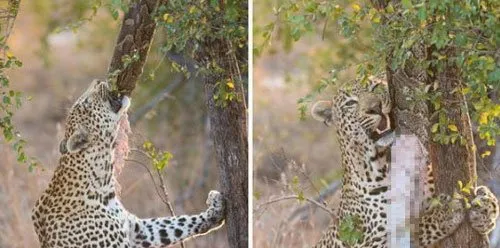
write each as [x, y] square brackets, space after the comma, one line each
[384, 125]
[383, 129]
[116, 101]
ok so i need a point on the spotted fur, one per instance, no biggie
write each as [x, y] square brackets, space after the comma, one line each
[360, 116]
[484, 210]
[79, 208]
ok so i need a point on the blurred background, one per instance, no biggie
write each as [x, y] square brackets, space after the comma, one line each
[64, 46]
[293, 153]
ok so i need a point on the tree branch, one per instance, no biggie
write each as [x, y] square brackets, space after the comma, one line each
[328, 191]
[296, 197]
[134, 38]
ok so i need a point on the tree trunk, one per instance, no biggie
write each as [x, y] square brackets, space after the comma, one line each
[455, 158]
[229, 132]
[225, 61]
[453, 162]
[135, 38]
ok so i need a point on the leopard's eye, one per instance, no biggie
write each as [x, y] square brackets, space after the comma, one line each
[350, 102]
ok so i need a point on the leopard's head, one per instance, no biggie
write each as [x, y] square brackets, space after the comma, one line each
[93, 119]
[358, 112]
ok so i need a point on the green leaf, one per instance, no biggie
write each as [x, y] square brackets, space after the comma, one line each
[21, 157]
[300, 196]
[453, 128]
[407, 4]
[390, 8]
[435, 127]
[6, 100]
[350, 230]
[115, 14]
[494, 76]
[257, 195]
[422, 13]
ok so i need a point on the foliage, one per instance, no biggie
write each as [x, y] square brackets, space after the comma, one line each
[204, 20]
[225, 93]
[464, 34]
[191, 25]
[465, 191]
[11, 99]
[351, 230]
[159, 159]
[72, 15]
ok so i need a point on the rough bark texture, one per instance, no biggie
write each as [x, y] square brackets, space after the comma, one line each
[229, 132]
[452, 162]
[135, 36]
[229, 126]
[458, 159]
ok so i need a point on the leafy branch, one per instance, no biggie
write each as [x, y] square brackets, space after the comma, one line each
[11, 100]
[469, 29]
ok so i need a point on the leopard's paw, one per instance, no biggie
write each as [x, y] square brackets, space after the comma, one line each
[216, 207]
[484, 210]
[442, 217]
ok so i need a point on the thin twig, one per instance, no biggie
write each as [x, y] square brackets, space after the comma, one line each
[150, 174]
[167, 201]
[296, 197]
[328, 191]
[165, 193]
[238, 72]
[164, 199]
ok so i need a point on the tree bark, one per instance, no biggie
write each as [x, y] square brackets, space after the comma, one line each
[229, 132]
[229, 129]
[135, 37]
[453, 162]
[228, 123]
[458, 159]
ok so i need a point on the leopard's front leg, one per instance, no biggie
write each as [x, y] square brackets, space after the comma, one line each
[165, 231]
[441, 218]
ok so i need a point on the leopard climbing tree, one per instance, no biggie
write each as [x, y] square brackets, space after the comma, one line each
[452, 160]
[441, 62]
[207, 26]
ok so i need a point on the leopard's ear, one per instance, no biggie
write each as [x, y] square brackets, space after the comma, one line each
[76, 142]
[322, 111]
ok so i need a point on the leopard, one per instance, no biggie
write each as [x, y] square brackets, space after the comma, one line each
[80, 206]
[360, 113]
